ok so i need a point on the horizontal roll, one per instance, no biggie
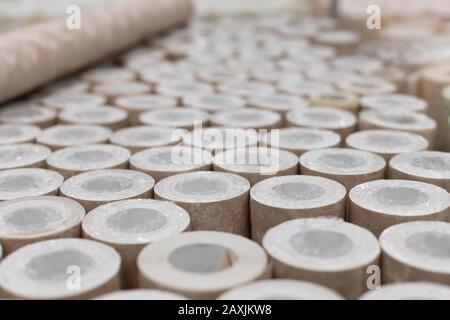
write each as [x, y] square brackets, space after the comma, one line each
[201, 265]
[409, 291]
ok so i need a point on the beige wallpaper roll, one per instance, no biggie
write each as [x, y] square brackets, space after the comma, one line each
[34, 55]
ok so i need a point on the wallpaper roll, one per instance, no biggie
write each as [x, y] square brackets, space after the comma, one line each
[34, 55]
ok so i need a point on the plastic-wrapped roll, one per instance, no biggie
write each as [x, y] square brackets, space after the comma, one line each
[109, 74]
[215, 201]
[136, 105]
[109, 117]
[409, 291]
[277, 200]
[280, 289]
[377, 205]
[300, 140]
[366, 86]
[394, 103]
[70, 135]
[65, 101]
[128, 226]
[95, 188]
[112, 91]
[217, 140]
[201, 265]
[27, 113]
[305, 88]
[164, 162]
[416, 251]
[426, 166]
[346, 166]
[179, 89]
[327, 251]
[399, 120]
[182, 118]
[339, 100]
[279, 103]
[245, 89]
[74, 160]
[57, 50]
[18, 133]
[23, 156]
[60, 269]
[247, 118]
[256, 163]
[213, 102]
[34, 219]
[344, 41]
[139, 138]
[141, 294]
[386, 143]
[340, 121]
[28, 182]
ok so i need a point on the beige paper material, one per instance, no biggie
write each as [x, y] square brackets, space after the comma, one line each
[37, 54]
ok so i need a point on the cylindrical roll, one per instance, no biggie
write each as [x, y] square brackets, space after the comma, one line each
[327, 251]
[346, 166]
[339, 100]
[215, 201]
[28, 182]
[69, 135]
[217, 76]
[29, 220]
[108, 74]
[377, 205]
[74, 160]
[16, 156]
[27, 113]
[112, 91]
[109, 117]
[281, 289]
[276, 200]
[416, 251]
[245, 89]
[94, 188]
[256, 163]
[139, 138]
[399, 120]
[300, 140]
[305, 88]
[201, 265]
[344, 41]
[409, 291]
[393, 103]
[164, 162]
[99, 36]
[386, 143]
[279, 103]
[340, 121]
[141, 294]
[212, 102]
[67, 85]
[179, 89]
[426, 166]
[247, 118]
[18, 133]
[67, 101]
[128, 226]
[136, 105]
[60, 269]
[357, 63]
[183, 118]
[366, 86]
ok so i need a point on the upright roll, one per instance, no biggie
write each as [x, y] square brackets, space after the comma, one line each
[409, 291]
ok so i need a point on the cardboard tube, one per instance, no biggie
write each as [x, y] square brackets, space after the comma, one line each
[247, 118]
[245, 89]
[141, 294]
[128, 226]
[28, 182]
[215, 201]
[217, 76]
[327, 251]
[305, 88]
[164, 162]
[339, 100]
[114, 90]
[409, 291]
[58, 50]
[416, 251]
[212, 102]
[386, 143]
[393, 103]
[179, 89]
[23, 156]
[95, 188]
[74, 160]
[71, 100]
[108, 75]
[346, 166]
[426, 166]
[70, 135]
[276, 200]
[18, 133]
[35, 219]
[343, 41]
[279, 103]
[112, 118]
[256, 163]
[202, 264]
[377, 205]
[41, 271]
[365, 86]
[182, 118]
[357, 63]
[27, 113]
